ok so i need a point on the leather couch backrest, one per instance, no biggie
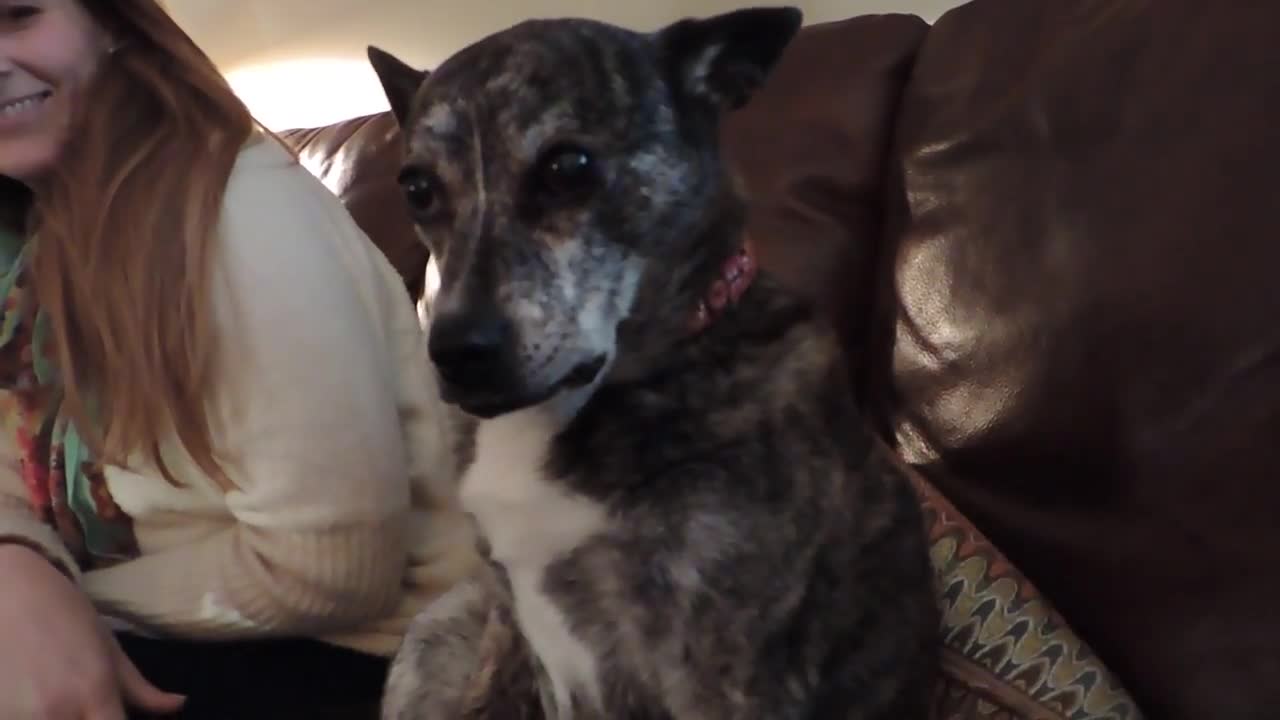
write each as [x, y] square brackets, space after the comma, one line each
[1080, 322]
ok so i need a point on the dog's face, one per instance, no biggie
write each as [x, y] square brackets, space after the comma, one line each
[554, 169]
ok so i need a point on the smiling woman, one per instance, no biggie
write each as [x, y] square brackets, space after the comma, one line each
[33, 118]
[243, 472]
[308, 92]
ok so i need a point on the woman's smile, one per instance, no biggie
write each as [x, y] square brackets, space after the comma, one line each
[23, 109]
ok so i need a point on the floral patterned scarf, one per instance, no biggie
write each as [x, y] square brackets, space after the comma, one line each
[65, 487]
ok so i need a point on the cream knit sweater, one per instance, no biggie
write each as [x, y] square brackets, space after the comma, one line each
[343, 522]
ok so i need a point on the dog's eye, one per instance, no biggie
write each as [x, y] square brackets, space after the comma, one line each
[566, 171]
[420, 190]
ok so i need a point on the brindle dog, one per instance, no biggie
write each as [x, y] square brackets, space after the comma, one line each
[682, 520]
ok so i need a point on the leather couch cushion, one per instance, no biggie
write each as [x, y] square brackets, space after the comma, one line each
[1083, 320]
[811, 149]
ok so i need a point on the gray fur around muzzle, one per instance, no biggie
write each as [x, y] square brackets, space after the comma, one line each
[476, 350]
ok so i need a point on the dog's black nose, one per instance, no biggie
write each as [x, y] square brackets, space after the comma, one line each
[470, 348]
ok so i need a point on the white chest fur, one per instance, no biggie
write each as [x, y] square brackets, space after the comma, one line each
[530, 522]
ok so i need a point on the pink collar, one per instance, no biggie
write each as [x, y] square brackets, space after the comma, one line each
[735, 277]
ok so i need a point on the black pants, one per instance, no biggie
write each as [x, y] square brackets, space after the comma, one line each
[275, 679]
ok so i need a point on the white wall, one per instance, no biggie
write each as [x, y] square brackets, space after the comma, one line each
[302, 62]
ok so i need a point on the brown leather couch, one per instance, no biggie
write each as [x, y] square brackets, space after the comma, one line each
[1048, 232]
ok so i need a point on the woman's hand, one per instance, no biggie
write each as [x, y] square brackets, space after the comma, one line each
[57, 660]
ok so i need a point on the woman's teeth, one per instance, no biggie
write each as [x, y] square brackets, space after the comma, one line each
[20, 105]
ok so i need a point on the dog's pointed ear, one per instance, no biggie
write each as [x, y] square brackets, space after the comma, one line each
[400, 81]
[725, 58]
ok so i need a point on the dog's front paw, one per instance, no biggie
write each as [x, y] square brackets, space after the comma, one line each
[434, 668]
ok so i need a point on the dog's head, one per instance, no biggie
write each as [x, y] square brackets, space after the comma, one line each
[560, 170]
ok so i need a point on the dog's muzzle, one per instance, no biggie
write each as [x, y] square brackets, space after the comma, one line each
[475, 354]
[473, 350]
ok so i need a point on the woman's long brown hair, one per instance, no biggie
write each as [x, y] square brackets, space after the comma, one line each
[123, 232]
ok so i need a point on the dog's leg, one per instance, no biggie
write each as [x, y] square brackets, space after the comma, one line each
[859, 692]
[463, 659]
[505, 685]
[440, 654]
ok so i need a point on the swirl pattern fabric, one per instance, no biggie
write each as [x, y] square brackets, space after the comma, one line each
[1006, 653]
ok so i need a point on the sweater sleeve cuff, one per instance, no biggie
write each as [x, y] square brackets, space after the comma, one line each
[249, 582]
